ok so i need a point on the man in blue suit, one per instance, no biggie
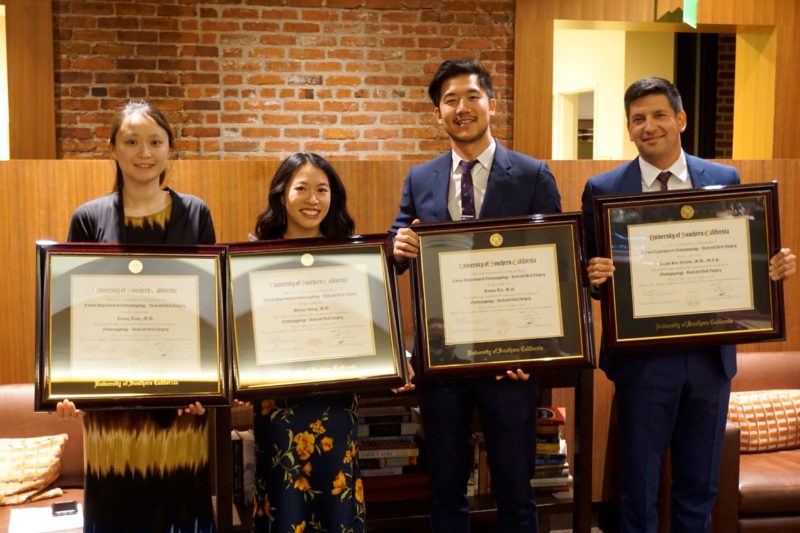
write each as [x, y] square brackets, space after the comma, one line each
[666, 398]
[501, 183]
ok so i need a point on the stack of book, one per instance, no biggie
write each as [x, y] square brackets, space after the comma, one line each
[244, 467]
[388, 453]
[388, 445]
[552, 469]
[479, 479]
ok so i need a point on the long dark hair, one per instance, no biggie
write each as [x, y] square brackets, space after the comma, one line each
[271, 224]
[132, 108]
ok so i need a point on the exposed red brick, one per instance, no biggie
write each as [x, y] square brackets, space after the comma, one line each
[278, 70]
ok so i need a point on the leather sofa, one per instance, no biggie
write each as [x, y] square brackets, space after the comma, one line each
[18, 419]
[760, 492]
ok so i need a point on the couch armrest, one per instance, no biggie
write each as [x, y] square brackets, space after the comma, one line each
[725, 515]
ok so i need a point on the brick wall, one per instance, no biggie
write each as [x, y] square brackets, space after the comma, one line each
[726, 70]
[265, 78]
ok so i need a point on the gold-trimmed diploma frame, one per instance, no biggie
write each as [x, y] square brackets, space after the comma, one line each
[130, 326]
[500, 294]
[313, 315]
[692, 266]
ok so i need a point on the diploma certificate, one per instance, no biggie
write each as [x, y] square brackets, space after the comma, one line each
[497, 295]
[313, 315]
[130, 325]
[330, 305]
[690, 267]
[491, 295]
[121, 323]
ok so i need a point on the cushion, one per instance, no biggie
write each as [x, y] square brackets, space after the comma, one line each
[28, 466]
[768, 419]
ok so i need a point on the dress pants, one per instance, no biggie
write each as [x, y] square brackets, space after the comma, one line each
[680, 401]
[507, 411]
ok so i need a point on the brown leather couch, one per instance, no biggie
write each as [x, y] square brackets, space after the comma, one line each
[18, 419]
[760, 492]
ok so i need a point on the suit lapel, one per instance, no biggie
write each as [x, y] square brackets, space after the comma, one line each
[497, 187]
[697, 172]
[631, 180]
[441, 188]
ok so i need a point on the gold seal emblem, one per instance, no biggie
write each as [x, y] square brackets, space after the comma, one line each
[496, 240]
[692, 299]
[135, 266]
[307, 260]
[687, 212]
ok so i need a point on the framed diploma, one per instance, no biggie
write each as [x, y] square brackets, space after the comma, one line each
[500, 294]
[692, 266]
[313, 315]
[123, 325]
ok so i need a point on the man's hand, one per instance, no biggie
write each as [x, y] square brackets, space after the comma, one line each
[782, 265]
[599, 270]
[406, 244]
[519, 375]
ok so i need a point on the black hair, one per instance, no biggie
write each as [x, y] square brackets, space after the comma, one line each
[271, 224]
[458, 67]
[653, 85]
[130, 109]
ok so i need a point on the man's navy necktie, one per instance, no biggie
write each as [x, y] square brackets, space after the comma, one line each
[467, 190]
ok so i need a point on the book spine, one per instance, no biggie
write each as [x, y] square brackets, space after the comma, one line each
[384, 419]
[380, 453]
[387, 429]
[385, 471]
[238, 469]
[387, 461]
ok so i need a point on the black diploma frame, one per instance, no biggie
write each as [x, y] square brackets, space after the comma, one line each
[500, 294]
[692, 266]
[130, 326]
[313, 315]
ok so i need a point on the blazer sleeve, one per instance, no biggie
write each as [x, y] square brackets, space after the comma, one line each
[408, 211]
[546, 199]
[587, 210]
[206, 226]
[404, 218]
[81, 226]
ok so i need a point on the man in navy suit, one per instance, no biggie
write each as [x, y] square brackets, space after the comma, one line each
[504, 183]
[666, 398]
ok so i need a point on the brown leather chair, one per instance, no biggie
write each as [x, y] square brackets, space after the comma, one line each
[17, 420]
[760, 492]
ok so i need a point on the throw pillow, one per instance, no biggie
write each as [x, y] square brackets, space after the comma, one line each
[768, 419]
[28, 466]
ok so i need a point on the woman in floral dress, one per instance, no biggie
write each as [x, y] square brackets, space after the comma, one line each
[307, 476]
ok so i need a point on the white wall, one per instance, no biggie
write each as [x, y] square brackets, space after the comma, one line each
[605, 61]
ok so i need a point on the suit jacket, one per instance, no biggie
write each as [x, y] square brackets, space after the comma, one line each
[518, 185]
[627, 179]
[102, 220]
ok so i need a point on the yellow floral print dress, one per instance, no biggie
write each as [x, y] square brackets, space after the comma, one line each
[307, 476]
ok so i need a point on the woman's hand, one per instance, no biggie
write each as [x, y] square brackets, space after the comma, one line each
[409, 385]
[195, 408]
[66, 409]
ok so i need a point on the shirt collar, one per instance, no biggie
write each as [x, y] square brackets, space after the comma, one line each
[679, 169]
[485, 158]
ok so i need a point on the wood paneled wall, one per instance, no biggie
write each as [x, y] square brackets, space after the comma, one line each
[533, 58]
[29, 36]
[39, 197]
